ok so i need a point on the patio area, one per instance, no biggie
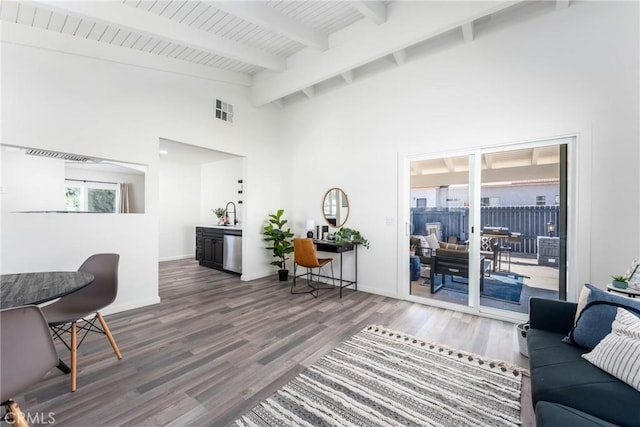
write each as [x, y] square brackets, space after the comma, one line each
[523, 271]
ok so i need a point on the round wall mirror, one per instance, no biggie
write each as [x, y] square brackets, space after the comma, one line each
[335, 207]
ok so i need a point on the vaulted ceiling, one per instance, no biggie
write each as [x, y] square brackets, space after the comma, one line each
[283, 50]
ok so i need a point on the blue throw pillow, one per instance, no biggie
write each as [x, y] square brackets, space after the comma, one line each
[594, 322]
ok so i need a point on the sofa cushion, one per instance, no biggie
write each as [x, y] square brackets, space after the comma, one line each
[453, 247]
[619, 352]
[432, 241]
[553, 415]
[582, 301]
[594, 322]
[420, 245]
[560, 375]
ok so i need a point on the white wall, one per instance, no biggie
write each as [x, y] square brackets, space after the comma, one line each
[220, 186]
[30, 183]
[109, 110]
[188, 192]
[573, 71]
[179, 209]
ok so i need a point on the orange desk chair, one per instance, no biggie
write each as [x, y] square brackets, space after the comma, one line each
[305, 255]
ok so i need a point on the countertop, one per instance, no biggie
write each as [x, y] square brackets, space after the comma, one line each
[222, 227]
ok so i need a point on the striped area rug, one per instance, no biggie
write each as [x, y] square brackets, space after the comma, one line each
[381, 377]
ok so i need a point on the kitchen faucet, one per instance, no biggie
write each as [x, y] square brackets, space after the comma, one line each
[226, 212]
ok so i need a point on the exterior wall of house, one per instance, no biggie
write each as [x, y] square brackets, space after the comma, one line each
[567, 72]
[81, 105]
[508, 195]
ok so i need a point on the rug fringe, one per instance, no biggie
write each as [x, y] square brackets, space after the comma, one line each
[485, 362]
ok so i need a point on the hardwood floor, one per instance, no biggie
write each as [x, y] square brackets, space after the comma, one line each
[216, 346]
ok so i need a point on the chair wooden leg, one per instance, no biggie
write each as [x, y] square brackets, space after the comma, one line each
[109, 336]
[74, 354]
[14, 415]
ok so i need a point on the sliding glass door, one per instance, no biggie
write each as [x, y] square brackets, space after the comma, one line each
[488, 229]
[521, 206]
[439, 200]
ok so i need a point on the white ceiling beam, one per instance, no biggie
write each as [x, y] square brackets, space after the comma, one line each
[467, 32]
[400, 56]
[348, 76]
[562, 4]
[488, 176]
[140, 21]
[411, 22]
[309, 91]
[449, 164]
[260, 14]
[535, 155]
[373, 10]
[488, 160]
[24, 35]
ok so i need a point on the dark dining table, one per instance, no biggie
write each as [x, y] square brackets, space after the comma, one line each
[37, 288]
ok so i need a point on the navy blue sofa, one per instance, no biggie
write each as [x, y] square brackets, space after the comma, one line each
[566, 389]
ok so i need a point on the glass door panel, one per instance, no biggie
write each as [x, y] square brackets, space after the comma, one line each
[439, 206]
[521, 205]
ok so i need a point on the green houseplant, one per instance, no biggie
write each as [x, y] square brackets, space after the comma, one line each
[620, 282]
[219, 212]
[279, 240]
[346, 234]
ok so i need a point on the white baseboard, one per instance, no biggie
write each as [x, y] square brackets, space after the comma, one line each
[130, 305]
[377, 292]
[255, 276]
[177, 257]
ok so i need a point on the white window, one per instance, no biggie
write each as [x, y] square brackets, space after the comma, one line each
[541, 200]
[88, 196]
[490, 201]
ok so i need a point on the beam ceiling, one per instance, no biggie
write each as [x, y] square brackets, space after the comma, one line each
[279, 48]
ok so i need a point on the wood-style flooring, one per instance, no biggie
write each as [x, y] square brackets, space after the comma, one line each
[215, 346]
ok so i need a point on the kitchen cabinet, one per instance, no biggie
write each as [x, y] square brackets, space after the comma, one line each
[210, 244]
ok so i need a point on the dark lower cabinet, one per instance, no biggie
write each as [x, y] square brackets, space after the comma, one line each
[209, 244]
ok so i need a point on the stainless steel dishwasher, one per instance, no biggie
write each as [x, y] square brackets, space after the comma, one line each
[232, 253]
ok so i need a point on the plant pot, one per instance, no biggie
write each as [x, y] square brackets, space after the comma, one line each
[283, 275]
[620, 285]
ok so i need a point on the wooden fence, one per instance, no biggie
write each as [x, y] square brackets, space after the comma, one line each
[529, 221]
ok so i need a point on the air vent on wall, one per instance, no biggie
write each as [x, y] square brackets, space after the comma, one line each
[57, 155]
[224, 111]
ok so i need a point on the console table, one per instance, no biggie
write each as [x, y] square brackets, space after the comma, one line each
[332, 246]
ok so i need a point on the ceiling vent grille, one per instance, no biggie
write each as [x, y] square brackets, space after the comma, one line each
[57, 155]
[224, 111]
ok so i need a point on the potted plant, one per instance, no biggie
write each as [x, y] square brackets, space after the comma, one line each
[346, 234]
[620, 282]
[219, 212]
[279, 239]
